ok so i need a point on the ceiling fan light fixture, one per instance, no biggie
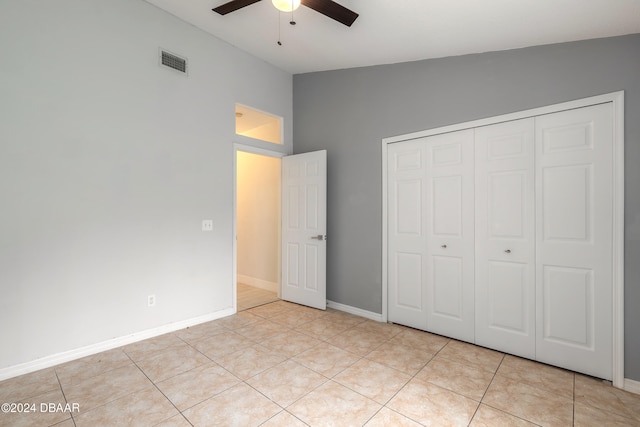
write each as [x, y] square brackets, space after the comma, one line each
[286, 5]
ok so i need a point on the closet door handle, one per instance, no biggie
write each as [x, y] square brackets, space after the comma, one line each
[507, 251]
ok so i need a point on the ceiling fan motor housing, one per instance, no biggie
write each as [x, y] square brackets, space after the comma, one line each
[328, 8]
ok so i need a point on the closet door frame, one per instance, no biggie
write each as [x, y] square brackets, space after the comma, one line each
[617, 101]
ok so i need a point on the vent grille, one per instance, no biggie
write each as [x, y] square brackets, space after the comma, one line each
[173, 61]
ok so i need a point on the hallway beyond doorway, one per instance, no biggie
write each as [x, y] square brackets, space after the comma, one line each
[250, 296]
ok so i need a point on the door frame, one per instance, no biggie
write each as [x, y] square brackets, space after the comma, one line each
[237, 147]
[617, 100]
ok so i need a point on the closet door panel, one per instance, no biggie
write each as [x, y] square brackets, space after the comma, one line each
[446, 206]
[447, 278]
[449, 234]
[574, 239]
[569, 287]
[509, 299]
[567, 203]
[505, 238]
[406, 234]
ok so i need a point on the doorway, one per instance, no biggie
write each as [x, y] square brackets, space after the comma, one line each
[258, 219]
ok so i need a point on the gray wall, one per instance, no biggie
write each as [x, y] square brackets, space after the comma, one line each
[348, 112]
[108, 165]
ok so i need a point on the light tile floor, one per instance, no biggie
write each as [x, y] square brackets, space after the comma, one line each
[250, 296]
[281, 365]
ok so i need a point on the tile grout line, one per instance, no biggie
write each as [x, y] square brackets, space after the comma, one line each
[63, 395]
[327, 379]
[115, 399]
[495, 373]
[196, 367]
[331, 379]
[290, 358]
[384, 405]
[161, 392]
[573, 413]
[156, 386]
[412, 378]
[244, 381]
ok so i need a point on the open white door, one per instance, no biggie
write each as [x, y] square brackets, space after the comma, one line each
[304, 229]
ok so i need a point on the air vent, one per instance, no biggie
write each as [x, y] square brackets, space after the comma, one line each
[173, 61]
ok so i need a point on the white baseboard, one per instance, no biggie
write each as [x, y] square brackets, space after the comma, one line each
[355, 310]
[258, 283]
[67, 356]
[632, 386]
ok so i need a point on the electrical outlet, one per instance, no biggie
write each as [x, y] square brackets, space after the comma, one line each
[151, 300]
[207, 225]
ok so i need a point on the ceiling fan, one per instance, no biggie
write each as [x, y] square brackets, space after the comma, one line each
[327, 7]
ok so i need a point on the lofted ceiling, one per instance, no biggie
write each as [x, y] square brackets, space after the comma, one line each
[405, 30]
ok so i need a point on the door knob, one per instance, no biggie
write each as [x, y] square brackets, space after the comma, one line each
[507, 251]
[444, 246]
[320, 237]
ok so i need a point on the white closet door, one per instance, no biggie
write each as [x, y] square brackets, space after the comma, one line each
[406, 241]
[450, 234]
[505, 237]
[574, 239]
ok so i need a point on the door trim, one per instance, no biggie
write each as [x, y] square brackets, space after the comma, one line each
[617, 100]
[234, 173]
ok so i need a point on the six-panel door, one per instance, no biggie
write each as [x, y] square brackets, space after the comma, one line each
[505, 237]
[304, 228]
[574, 212]
[407, 234]
[449, 228]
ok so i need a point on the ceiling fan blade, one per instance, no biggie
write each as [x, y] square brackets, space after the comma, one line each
[233, 5]
[333, 10]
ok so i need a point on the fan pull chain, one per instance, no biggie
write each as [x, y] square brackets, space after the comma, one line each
[292, 22]
[279, 42]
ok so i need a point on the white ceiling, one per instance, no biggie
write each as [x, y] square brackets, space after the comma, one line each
[405, 30]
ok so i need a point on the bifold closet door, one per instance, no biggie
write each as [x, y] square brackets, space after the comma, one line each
[450, 234]
[502, 235]
[505, 237]
[574, 186]
[406, 235]
[430, 234]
